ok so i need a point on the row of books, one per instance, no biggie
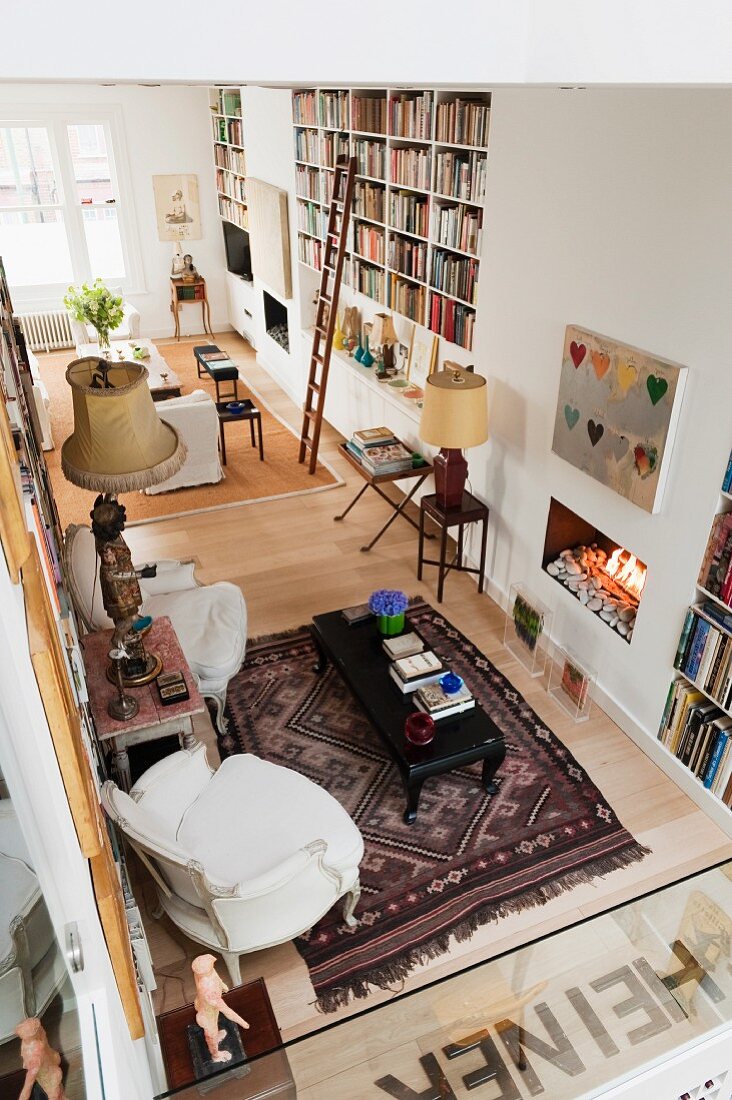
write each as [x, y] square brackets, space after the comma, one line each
[410, 116]
[228, 130]
[233, 186]
[410, 167]
[457, 227]
[307, 146]
[334, 110]
[229, 102]
[461, 175]
[452, 320]
[463, 122]
[409, 212]
[369, 280]
[311, 218]
[379, 451]
[304, 108]
[407, 299]
[307, 182]
[332, 146]
[704, 652]
[368, 200]
[727, 481]
[456, 275]
[233, 212]
[408, 257]
[368, 114]
[232, 159]
[715, 573]
[416, 670]
[310, 251]
[195, 293]
[369, 242]
[700, 736]
[370, 157]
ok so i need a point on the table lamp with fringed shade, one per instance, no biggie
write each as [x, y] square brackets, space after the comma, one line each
[454, 417]
[119, 444]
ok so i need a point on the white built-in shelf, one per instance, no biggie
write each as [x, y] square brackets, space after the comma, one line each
[716, 599]
[726, 495]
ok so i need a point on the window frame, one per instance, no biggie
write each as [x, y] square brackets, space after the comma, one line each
[49, 295]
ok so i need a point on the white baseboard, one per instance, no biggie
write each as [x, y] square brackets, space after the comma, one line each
[163, 334]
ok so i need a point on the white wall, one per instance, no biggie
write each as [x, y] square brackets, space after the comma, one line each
[166, 130]
[609, 209]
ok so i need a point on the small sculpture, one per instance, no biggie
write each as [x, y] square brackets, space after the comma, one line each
[42, 1064]
[189, 274]
[209, 1002]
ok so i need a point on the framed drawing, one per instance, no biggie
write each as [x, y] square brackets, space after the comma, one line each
[177, 207]
[616, 416]
[423, 358]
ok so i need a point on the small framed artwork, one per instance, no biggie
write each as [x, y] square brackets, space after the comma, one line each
[570, 684]
[177, 207]
[423, 358]
[527, 626]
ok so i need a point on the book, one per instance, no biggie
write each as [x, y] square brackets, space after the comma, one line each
[433, 700]
[689, 695]
[446, 712]
[713, 611]
[714, 637]
[407, 687]
[684, 637]
[372, 435]
[356, 614]
[719, 741]
[697, 650]
[213, 356]
[417, 666]
[727, 480]
[402, 645]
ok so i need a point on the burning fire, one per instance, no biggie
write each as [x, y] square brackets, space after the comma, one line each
[627, 571]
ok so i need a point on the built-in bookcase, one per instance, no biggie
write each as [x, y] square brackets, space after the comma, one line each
[696, 726]
[229, 155]
[418, 204]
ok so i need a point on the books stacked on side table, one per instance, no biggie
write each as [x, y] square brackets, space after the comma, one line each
[379, 451]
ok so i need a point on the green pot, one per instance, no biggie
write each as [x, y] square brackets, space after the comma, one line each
[391, 624]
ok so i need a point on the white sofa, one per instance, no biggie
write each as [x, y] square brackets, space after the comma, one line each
[243, 858]
[195, 419]
[87, 334]
[210, 620]
[31, 965]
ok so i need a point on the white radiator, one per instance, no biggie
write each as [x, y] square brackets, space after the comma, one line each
[46, 331]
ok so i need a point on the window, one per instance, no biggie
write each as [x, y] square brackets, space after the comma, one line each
[62, 216]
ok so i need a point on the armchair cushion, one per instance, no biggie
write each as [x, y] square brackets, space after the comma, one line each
[211, 624]
[172, 576]
[249, 819]
[169, 787]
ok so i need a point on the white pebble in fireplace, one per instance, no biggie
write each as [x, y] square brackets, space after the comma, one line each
[584, 572]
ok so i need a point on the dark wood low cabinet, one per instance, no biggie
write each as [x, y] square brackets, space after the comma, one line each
[269, 1068]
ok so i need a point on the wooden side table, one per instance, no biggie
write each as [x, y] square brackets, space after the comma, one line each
[269, 1067]
[180, 296]
[250, 413]
[470, 510]
[375, 481]
[153, 720]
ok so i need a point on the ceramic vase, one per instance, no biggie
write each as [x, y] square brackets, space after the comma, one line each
[338, 335]
[388, 625]
[367, 358]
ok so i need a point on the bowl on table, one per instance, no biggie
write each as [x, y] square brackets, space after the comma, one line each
[236, 408]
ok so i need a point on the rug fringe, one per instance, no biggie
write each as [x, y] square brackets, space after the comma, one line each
[399, 969]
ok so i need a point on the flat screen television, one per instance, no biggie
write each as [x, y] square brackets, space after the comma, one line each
[238, 255]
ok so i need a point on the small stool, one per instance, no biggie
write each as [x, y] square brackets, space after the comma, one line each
[470, 510]
[250, 413]
[228, 373]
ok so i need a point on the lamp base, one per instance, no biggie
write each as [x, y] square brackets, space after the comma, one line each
[136, 675]
[451, 472]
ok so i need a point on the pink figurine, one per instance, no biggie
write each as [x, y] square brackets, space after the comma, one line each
[40, 1061]
[209, 1003]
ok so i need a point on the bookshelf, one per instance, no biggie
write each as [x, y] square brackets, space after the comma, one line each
[418, 208]
[229, 155]
[696, 726]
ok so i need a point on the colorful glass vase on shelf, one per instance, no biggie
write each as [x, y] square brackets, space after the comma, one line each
[358, 353]
[338, 335]
[367, 359]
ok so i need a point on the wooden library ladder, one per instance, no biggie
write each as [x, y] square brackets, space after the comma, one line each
[328, 294]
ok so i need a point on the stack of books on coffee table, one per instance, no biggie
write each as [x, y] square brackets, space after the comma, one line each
[416, 670]
[379, 451]
[438, 704]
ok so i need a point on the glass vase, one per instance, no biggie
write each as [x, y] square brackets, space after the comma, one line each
[105, 347]
[367, 358]
[388, 625]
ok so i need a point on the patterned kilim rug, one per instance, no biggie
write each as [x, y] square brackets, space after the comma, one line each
[469, 858]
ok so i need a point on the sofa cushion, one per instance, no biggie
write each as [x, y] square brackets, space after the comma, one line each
[211, 624]
[253, 815]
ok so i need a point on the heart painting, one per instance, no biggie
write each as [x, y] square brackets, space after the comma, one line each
[578, 352]
[595, 432]
[571, 416]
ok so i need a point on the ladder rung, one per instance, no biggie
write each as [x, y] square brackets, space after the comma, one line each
[314, 386]
[306, 442]
[321, 331]
[317, 357]
[311, 414]
[325, 298]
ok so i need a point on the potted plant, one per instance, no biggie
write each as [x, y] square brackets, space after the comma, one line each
[389, 607]
[96, 305]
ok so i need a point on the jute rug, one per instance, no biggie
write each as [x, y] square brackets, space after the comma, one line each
[469, 858]
[246, 478]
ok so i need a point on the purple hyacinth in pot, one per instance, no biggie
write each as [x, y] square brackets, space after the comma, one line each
[389, 606]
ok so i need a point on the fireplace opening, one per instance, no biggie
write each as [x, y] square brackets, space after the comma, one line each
[275, 321]
[604, 576]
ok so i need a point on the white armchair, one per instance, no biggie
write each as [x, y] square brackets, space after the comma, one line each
[243, 858]
[210, 620]
[32, 969]
[87, 334]
[196, 421]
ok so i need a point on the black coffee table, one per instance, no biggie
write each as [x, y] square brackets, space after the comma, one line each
[460, 740]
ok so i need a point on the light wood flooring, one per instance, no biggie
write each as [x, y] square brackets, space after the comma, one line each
[291, 560]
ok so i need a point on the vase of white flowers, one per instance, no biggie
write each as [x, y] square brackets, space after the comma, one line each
[96, 305]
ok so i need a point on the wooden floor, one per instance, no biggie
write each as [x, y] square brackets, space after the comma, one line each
[291, 560]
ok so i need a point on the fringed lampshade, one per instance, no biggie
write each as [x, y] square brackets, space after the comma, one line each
[119, 442]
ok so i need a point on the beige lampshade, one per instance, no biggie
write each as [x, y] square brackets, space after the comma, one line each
[119, 442]
[455, 410]
[383, 331]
